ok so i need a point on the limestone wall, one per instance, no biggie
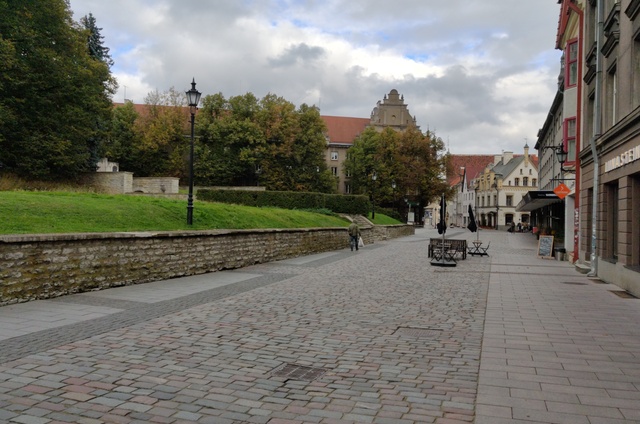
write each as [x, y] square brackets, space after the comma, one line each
[110, 182]
[45, 266]
[167, 185]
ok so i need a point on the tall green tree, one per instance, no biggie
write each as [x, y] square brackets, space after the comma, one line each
[53, 93]
[230, 141]
[246, 141]
[414, 161]
[123, 138]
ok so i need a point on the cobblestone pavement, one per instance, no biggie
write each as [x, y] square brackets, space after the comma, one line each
[375, 336]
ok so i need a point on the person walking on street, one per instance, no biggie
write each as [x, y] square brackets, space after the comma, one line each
[354, 235]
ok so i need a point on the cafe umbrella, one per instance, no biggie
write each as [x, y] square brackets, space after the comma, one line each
[473, 226]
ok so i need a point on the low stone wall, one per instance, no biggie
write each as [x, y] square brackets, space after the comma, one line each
[110, 182]
[166, 185]
[50, 265]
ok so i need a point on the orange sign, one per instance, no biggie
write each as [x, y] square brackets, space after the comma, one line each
[562, 191]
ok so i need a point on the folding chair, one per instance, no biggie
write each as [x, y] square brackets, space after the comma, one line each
[484, 249]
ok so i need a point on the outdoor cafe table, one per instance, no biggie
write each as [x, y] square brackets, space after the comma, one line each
[477, 249]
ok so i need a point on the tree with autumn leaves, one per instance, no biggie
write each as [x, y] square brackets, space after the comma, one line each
[413, 160]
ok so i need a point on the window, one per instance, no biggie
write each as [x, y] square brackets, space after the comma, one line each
[334, 170]
[534, 182]
[516, 181]
[635, 229]
[611, 213]
[347, 188]
[611, 97]
[520, 171]
[334, 155]
[572, 64]
[509, 200]
[636, 73]
[530, 171]
[525, 181]
[570, 139]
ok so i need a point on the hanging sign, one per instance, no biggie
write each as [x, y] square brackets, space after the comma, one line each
[562, 191]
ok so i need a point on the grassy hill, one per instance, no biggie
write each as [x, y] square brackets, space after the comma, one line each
[33, 212]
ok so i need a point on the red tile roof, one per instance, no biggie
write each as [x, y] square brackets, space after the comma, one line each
[343, 130]
[474, 164]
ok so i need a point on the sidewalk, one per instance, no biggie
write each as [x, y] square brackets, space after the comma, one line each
[375, 336]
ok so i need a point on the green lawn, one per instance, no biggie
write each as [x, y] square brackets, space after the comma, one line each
[26, 212]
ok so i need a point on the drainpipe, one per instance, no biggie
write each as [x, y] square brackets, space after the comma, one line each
[578, 172]
[597, 130]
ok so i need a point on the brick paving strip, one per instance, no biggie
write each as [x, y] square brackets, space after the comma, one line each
[134, 312]
[375, 337]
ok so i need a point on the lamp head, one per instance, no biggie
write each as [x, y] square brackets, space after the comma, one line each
[561, 154]
[193, 95]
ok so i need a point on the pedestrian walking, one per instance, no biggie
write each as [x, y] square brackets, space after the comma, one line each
[354, 235]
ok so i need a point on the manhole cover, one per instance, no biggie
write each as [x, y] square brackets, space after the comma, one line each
[623, 294]
[417, 332]
[574, 283]
[298, 372]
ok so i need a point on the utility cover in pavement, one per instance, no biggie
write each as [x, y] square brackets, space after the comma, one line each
[298, 372]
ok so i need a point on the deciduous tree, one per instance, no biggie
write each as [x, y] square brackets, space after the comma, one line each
[54, 96]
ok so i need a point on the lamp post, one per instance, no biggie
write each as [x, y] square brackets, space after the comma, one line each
[476, 188]
[393, 187]
[374, 177]
[193, 98]
[495, 185]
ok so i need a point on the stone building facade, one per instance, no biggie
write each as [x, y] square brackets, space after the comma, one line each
[610, 162]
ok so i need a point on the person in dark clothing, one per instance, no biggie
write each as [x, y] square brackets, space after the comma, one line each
[354, 235]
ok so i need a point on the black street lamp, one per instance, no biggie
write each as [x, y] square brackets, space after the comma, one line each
[193, 98]
[393, 186]
[562, 157]
[374, 177]
[495, 185]
[476, 188]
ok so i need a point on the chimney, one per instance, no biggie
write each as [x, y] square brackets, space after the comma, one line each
[506, 157]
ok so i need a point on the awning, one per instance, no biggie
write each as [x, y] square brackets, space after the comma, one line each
[537, 199]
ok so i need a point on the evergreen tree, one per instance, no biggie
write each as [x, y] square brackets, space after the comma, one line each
[95, 40]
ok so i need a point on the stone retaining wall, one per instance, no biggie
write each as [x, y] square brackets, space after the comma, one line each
[50, 265]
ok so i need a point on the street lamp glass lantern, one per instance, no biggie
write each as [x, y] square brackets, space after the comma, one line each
[374, 176]
[561, 154]
[193, 95]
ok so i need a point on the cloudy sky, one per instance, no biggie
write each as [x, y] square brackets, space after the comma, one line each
[482, 74]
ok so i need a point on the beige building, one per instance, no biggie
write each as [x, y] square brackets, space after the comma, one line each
[502, 186]
[391, 112]
[341, 131]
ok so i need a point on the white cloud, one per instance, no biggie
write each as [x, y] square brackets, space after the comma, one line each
[471, 70]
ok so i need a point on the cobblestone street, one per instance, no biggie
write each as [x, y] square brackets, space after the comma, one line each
[375, 336]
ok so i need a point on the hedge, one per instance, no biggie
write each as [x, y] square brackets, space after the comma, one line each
[338, 203]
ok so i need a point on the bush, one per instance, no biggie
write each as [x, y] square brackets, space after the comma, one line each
[337, 203]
